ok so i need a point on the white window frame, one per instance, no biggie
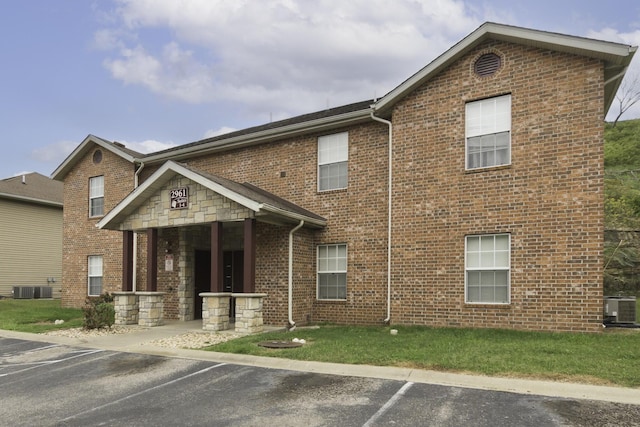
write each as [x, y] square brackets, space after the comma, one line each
[486, 259]
[333, 267]
[96, 193]
[94, 271]
[487, 123]
[333, 156]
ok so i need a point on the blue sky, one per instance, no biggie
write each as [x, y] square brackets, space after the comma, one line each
[154, 74]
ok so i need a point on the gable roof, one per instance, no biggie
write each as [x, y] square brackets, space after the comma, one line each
[32, 188]
[267, 207]
[85, 146]
[616, 56]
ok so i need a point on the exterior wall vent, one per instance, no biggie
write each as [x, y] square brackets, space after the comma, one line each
[487, 65]
[620, 309]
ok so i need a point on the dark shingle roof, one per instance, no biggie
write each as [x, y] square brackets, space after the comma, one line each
[329, 112]
[32, 186]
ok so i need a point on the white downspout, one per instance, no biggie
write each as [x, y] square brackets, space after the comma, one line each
[390, 125]
[292, 324]
[135, 235]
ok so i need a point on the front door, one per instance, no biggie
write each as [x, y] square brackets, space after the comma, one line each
[202, 280]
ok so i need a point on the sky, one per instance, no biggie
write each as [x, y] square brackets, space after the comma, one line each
[154, 74]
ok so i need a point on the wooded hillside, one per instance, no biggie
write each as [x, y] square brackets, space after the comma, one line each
[622, 208]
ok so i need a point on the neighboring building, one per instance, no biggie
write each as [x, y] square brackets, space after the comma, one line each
[31, 233]
[485, 211]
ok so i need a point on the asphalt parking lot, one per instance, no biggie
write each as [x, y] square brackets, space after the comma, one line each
[44, 384]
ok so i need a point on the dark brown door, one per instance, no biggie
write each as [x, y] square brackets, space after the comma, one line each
[202, 280]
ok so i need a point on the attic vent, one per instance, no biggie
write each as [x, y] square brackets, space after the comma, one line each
[487, 65]
[97, 156]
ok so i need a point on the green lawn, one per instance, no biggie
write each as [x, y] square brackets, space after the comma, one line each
[612, 357]
[37, 315]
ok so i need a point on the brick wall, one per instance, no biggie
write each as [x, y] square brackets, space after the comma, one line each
[81, 237]
[550, 199]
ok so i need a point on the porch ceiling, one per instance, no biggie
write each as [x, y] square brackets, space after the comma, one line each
[266, 206]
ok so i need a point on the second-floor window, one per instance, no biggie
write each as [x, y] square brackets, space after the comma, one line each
[488, 132]
[333, 158]
[96, 196]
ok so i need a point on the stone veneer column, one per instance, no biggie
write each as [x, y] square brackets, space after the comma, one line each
[126, 307]
[249, 312]
[215, 310]
[150, 305]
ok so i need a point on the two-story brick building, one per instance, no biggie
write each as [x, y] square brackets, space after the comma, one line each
[471, 195]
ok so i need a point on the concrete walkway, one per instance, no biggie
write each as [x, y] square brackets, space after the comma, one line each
[141, 342]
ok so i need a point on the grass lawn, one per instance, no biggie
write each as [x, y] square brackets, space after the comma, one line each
[37, 315]
[609, 358]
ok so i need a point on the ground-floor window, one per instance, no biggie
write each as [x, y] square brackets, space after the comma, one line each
[95, 275]
[332, 272]
[487, 265]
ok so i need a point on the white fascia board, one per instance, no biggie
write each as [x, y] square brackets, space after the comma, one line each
[607, 51]
[217, 188]
[174, 167]
[30, 200]
[81, 150]
[263, 136]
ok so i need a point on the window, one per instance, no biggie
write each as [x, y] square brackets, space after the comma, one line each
[96, 196]
[332, 272]
[95, 275]
[488, 132]
[333, 157]
[487, 260]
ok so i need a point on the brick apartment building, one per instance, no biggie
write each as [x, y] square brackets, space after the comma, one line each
[471, 195]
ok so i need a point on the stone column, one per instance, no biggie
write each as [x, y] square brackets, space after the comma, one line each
[150, 305]
[215, 310]
[126, 307]
[249, 312]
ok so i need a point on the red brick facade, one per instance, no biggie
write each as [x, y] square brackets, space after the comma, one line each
[549, 199]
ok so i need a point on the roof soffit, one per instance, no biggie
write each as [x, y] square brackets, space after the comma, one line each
[85, 147]
[615, 56]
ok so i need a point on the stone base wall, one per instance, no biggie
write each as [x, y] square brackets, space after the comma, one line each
[215, 310]
[126, 307]
[249, 313]
[151, 306]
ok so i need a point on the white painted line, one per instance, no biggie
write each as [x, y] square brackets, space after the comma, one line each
[388, 405]
[48, 362]
[202, 371]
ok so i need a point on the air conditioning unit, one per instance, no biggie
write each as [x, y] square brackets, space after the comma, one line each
[620, 309]
[42, 292]
[23, 292]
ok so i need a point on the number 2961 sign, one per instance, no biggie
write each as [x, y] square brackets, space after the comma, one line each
[179, 198]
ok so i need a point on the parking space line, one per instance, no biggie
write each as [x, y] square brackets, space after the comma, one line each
[202, 371]
[34, 365]
[388, 405]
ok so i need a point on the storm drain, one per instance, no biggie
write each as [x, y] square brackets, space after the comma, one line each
[279, 344]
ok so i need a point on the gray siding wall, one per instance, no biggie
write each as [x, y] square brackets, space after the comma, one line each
[31, 249]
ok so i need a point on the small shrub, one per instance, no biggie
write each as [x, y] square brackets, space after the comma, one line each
[99, 312]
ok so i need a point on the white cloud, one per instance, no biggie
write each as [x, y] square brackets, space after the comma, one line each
[292, 55]
[633, 73]
[217, 132]
[53, 153]
[148, 146]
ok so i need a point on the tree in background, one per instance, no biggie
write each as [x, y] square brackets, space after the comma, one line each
[628, 95]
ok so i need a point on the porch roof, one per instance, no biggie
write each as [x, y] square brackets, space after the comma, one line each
[267, 207]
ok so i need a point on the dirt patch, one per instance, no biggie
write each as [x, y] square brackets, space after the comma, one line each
[588, 413]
